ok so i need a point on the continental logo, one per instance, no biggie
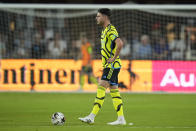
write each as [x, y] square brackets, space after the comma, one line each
[25, 75]
[39, 73]
[64, 75]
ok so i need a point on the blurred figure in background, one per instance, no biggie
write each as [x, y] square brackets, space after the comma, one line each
[161, 50]
[144, 50]
[86, 50]
[57, 47]
[38, 47]
[75, 52]
[178, 47]
[134, 44]
[126, 50]
[22, 46]
[2, 46]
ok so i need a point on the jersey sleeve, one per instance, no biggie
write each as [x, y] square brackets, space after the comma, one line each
[113, 34]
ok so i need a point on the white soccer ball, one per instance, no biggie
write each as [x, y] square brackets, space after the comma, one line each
[58, 118]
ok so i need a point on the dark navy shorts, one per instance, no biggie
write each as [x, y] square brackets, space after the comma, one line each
[110, 75]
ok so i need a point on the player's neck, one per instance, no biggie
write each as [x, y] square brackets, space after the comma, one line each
[106, 24]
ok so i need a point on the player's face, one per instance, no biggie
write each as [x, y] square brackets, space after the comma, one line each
[100, 18]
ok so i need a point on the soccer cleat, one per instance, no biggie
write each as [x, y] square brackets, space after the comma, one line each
[87, 119]
[118, 122]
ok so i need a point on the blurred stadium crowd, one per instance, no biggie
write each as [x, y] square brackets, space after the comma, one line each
[154, 38]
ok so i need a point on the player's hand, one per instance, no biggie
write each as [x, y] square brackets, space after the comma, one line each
[110, 60]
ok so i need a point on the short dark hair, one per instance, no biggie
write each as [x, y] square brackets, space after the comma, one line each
[105, 11]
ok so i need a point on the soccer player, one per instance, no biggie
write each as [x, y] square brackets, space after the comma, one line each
[111, 45]
[86, 50]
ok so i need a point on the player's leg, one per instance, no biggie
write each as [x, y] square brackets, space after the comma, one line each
[100, 96]
[82, 78]
[103, 84]
[116, 98]
[92, 78]
[98, 102]
[118, 106]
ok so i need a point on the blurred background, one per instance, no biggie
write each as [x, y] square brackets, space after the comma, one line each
[47, 47]
[152, 38]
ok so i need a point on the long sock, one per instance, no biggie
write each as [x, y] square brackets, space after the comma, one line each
[99, 100]
[82, 80]
[117, 101]
[93, 80]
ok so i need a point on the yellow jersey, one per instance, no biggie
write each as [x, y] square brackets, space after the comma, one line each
[108, 47]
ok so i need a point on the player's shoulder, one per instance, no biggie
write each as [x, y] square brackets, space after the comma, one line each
[111, 28]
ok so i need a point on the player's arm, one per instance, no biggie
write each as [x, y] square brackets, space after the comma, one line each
[119, 45]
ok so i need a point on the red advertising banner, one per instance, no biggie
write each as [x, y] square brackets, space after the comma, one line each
[174, 76]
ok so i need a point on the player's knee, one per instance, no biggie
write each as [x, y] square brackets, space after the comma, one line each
[113, 87]
[104, 84]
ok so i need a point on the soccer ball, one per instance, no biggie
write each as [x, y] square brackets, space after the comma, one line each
[58, 118]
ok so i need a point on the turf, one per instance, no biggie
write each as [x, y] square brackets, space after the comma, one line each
[148, 112]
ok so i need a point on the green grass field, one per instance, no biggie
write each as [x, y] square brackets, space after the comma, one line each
[148, 112]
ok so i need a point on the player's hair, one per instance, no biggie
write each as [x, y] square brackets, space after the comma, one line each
[105, 11]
